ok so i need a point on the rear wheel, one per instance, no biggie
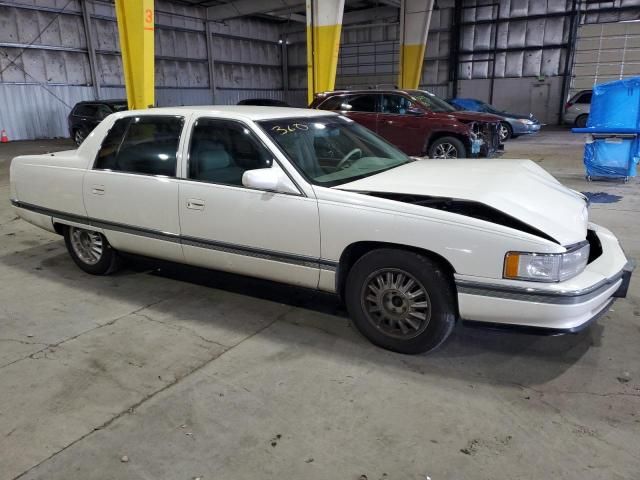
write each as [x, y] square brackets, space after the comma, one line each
[447, 148]
[91, 251]
[400, 300]
[581, 121]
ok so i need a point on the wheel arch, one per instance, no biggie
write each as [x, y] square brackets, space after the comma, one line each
[435, 136]
[353, 252]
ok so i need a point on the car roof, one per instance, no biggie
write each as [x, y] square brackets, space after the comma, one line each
[366, 90]
[246, 112]
[117, 101]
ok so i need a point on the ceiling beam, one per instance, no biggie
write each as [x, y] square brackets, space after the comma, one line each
[240, 8]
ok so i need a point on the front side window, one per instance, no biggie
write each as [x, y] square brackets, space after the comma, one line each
[146, 145]
[332, 150]
[396, 104]
[221, 151]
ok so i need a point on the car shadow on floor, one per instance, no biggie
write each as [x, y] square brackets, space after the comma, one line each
[474, 354]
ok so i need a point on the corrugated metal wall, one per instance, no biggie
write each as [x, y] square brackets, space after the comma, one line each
[44, 76]
[369, 55]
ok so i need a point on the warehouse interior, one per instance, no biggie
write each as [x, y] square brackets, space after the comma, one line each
[169, 371]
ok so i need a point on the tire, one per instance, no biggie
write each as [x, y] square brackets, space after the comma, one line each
[441, 146]
[506, 132]
[382, 316]
[78, 136]
[79, 242]
[581, 121]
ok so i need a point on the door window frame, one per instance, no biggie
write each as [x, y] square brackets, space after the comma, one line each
[408, 98]
[119, 172]
[188, 141]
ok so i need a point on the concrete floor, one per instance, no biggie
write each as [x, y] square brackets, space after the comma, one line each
[196, 374]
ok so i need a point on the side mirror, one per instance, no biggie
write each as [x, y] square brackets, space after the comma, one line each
[414, 111]
[269, 179]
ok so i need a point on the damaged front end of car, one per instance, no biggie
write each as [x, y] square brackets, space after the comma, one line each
[485, 139]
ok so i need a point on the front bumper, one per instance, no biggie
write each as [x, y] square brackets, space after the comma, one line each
[486, 137]
[523, 129]
[559, 307]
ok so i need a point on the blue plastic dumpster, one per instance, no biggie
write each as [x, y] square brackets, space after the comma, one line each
[613, 145]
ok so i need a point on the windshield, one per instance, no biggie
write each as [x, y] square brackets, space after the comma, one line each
[332, 150]
[491, 109]
[431, 101]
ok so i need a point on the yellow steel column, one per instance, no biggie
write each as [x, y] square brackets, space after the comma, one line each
[415, 16]
[324, 25]
[136, 19]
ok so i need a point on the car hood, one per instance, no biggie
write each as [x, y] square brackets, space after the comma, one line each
[518, 188]
[517, 116]
[467, 116]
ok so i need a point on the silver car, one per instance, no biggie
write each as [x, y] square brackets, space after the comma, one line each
[576, 110]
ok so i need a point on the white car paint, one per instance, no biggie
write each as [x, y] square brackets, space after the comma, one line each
[300, 238]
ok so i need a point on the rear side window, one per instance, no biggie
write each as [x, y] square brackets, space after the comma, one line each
[85, 111]
[584, 98]
[333, 103]
[146, 145]
[361, 103]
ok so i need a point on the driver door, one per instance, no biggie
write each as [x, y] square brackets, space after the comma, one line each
[400, 124]
[227, 226]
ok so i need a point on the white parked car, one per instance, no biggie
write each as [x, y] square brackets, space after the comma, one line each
[311, 198]
[576, 110]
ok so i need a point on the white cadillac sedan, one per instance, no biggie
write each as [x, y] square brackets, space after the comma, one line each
[312, 199]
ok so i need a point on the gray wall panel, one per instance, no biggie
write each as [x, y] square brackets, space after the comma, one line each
[246, 53]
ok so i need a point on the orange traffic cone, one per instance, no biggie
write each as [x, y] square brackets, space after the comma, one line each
[3, 136]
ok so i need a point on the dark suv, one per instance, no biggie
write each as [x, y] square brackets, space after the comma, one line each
[418, 122]
[86, 116]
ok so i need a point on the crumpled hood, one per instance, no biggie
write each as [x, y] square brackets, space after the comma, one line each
[518, 188]
[467, 116]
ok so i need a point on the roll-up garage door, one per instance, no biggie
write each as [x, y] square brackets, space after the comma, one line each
[605, 52]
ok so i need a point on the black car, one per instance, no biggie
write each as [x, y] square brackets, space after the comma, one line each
[86, 116]
[263, 102]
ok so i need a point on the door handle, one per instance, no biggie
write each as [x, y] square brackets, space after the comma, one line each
[389, 122]
[195, 204]
[97, 189]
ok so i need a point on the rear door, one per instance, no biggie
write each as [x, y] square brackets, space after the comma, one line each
[131, 192]
[361, 107]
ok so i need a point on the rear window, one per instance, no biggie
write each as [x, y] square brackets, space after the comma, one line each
[145, 145]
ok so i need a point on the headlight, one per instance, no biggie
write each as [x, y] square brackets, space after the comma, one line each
[546, 267]
[525, 121]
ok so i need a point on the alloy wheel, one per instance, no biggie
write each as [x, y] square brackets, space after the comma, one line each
[445, 151]
[396, 303]
[504, 132]
[87, 245]
[79, 137]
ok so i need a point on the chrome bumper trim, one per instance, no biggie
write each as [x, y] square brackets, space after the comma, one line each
[538, 295]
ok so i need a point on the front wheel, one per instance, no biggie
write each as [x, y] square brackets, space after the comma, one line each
[447, 148]
[505, 132]
[78, 136]
[401, 300]
[91, 251]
